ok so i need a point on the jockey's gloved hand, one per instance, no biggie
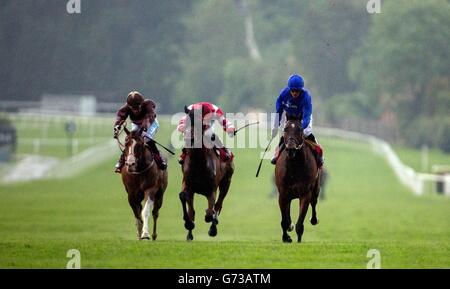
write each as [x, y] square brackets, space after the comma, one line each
[274, 132]
[144, 133]
[116, 131]
[231, 131]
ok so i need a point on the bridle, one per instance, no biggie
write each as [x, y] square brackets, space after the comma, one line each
[131, 152]
[298, 144]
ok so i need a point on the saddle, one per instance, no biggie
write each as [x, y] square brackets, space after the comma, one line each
[315, 147]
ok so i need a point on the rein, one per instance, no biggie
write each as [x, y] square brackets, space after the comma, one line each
[119, 143]
[145, 147]
[143, 171]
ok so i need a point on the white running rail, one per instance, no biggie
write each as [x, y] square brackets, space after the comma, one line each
[411, 179]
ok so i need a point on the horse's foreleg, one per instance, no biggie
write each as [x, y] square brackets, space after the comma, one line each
[285, 208]
[210, 210]
[191, 211]
[191, 215]
[304, 204]
[189, 224]
[183, 199]
[314, 221]
[137, 208]
[145, 214]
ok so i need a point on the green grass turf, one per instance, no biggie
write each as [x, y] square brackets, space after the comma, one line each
[365, 208]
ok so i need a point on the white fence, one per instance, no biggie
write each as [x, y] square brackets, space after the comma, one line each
[415, 181]
[84, 160]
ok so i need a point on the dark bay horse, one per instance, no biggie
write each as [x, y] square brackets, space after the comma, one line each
[296, 176]
[143, 181]
[203, 173]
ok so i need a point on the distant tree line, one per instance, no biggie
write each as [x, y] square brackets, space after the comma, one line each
[390, 67]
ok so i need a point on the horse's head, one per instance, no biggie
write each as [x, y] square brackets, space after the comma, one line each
[293, 137]
[135, 152]
[193, 136]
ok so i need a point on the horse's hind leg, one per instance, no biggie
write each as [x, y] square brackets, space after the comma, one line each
[285, 208]
[155, 212]
[224, 186]
[304, 204]
[315, 195]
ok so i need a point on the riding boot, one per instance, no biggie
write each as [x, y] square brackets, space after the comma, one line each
[317, 151]
[278, 151]
[182, 156]
[157, 155]
[275, 157]
[120, 163]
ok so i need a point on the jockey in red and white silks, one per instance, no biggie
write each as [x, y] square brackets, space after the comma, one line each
[210, 113]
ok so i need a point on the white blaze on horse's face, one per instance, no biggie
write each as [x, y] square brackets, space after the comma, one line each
[131, 159]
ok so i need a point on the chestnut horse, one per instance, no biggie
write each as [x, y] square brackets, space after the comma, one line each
[143, 181]
[203, 173]
[296, 176]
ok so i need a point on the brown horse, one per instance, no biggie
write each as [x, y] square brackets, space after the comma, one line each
[143, 181]
[296, 176]
[203, 173]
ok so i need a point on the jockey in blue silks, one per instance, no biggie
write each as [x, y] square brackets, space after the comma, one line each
[296, 102]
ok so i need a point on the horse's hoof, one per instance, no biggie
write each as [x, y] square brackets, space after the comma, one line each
[291, 227]
[287, 239]
[145, 238]
[314, 221]
[208, 218]
[154, 237]
[212, 231]
[189, 237]
[299, 239]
